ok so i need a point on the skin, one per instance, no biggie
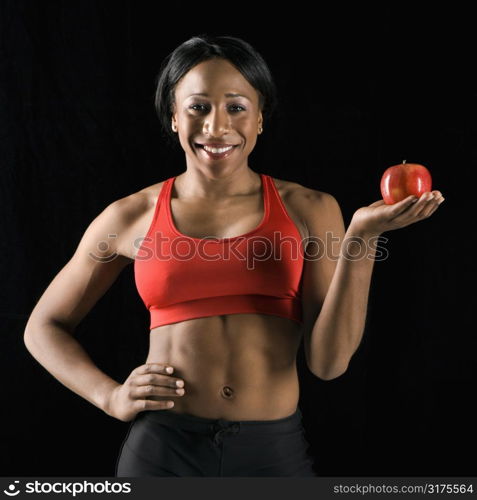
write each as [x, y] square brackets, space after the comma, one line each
[252, 354]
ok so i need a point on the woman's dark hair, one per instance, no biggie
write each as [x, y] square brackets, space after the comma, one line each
[202, 48]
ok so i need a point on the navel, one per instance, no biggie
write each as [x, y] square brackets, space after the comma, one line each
[227, 392]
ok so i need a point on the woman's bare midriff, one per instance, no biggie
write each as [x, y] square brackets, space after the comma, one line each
[235, 366]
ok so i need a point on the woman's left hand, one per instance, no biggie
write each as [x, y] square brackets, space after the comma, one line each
[379, 217]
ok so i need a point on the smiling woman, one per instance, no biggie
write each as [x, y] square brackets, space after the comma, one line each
[230, 328]
[231, 287]
[250, 68]
[232, 119]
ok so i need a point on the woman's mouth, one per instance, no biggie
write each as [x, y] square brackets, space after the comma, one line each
[217, 152]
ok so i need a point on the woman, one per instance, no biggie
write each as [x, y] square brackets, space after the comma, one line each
[229, 301]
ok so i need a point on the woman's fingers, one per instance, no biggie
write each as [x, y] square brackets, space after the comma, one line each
[156, 379]
[163, 368]
[408, 212]
[154, 384]
[151, 404]
[423, 205]
[426, 205]
[402, 206]
[142, 391]
[148, 387]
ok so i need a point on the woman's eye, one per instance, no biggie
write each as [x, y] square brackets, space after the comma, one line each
[238, 106]
[194, 106]
[201, 107]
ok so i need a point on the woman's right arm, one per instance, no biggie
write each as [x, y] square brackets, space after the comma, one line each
[73, 292]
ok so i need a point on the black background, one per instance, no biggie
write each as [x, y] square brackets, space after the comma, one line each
[359, 90]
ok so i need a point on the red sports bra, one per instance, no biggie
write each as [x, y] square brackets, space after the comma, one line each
[180, 277]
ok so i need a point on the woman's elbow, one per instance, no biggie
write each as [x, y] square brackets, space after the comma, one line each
[329, 373]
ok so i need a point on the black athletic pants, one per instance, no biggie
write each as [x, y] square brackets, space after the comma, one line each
[163, 443]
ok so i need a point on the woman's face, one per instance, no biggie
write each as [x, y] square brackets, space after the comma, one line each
[218, 116]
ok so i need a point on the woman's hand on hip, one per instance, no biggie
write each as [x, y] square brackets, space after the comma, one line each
[147, 380]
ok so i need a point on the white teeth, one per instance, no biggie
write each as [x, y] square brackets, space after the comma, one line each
[217, 150]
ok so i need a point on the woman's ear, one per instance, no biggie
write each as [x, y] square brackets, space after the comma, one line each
[173, 120]
[173, 117]
[260, 121]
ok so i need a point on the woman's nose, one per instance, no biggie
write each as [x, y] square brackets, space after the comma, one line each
[216, 123]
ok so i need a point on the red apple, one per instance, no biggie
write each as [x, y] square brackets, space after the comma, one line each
[400, 181]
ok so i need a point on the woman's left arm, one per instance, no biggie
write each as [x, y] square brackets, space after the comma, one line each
[336, 283]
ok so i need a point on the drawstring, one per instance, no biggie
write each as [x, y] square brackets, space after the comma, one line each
[221, 428]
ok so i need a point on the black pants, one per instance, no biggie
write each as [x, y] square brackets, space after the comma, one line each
[163, 443]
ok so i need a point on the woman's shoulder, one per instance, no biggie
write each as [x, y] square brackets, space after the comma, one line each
[125, 213]
[130, 206]
[312, 207]
[125, 216]
[301, 196]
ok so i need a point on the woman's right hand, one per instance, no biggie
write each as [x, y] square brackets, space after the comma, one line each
[152, 379]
